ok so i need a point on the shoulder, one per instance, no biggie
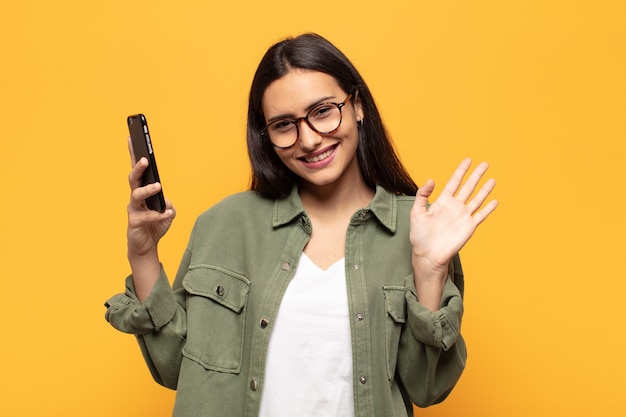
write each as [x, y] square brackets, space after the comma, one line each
[404, 201]
[240, 204]
[234, 218]
[244, 199]
[391, 209]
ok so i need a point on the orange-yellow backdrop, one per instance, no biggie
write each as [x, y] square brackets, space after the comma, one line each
[534, 87]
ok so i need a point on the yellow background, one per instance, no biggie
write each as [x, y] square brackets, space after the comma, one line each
[535, 87]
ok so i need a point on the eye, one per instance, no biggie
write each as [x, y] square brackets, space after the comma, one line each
[322, 111]
[282, 125]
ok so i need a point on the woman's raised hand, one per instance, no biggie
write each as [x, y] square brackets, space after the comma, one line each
[439, 230]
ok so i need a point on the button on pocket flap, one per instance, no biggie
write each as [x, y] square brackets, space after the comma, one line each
[225, 287]
[395, 302]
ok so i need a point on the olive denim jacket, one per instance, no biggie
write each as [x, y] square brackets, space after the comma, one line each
[207, 335]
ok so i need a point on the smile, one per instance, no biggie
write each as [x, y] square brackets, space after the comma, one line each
[319, 157]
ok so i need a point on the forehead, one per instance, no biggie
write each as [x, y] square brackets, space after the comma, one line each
[299, 89]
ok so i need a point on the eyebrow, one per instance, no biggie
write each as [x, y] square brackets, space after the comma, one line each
[307, 110]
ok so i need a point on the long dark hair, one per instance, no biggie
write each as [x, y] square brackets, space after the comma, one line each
[377, 158]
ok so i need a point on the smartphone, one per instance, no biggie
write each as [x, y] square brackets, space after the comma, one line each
[142, 146]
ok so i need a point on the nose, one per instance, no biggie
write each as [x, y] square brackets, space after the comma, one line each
[309, 139]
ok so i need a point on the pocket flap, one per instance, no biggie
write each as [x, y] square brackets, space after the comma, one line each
[225, 287]
[395, 302]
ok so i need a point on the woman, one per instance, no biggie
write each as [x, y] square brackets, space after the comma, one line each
[327, 289]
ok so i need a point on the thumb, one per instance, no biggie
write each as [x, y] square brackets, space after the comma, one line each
[421, 199]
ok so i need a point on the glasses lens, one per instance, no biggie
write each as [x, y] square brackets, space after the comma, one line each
[325, 118]
[283, 133]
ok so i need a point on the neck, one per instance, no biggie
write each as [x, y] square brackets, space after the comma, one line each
[340, 198]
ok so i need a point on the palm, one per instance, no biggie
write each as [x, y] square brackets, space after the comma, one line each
[146, 228]
[438, 231]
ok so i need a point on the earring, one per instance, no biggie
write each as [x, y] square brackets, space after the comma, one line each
[359, 122]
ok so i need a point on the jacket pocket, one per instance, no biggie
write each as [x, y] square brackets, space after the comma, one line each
[216, 309]
[395, 305]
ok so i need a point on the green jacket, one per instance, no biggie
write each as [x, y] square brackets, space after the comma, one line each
[207, 335]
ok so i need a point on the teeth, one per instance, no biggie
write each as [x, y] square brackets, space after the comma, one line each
[320, 156]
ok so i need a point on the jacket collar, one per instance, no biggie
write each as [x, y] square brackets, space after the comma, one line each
[383, 206]
[288, 208]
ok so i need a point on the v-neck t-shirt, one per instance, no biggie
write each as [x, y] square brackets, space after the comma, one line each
[309, 361]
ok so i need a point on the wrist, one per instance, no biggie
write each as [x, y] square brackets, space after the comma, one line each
[140, 261]
[142, 255]
[146, 269]
[428, 269]
[430, 280]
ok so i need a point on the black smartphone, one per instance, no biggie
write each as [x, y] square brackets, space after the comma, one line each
[142, 146]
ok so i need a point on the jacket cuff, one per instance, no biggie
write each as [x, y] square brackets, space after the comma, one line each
[436, 328]
[126, 313]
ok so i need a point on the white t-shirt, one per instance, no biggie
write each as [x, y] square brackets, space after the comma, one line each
[309, 360]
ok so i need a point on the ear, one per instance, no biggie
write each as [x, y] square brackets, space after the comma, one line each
[358, 107]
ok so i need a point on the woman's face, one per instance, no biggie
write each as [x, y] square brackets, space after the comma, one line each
[319, 160]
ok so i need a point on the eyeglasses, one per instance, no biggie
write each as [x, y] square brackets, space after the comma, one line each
[324, 119]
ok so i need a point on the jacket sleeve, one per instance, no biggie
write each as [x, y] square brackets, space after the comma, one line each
[159, 323]
[432, 353]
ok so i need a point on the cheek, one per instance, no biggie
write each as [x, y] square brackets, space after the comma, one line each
[284, 157]
[352, 137]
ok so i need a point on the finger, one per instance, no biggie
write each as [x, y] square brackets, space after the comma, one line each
[131, 151]
[421, 199]
[472, 181]
[139, 194]
[457, 177]
[138, 219]
[134, 178]
[169, 208]
[481, 195]
[482, 214]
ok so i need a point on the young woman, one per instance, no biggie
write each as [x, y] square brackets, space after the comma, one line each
[332, 287]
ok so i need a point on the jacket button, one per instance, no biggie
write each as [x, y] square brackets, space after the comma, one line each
[285, 266]
[254, 385]
[363, 379]
[355, 266]
[263, 323]
[359, 317]
[219, 290]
